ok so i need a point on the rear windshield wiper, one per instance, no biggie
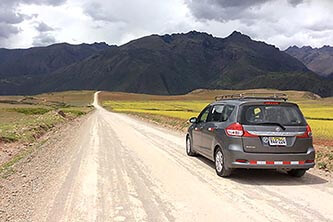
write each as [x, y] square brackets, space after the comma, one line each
[272, 123]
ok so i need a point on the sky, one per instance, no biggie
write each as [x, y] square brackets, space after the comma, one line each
[284, 23]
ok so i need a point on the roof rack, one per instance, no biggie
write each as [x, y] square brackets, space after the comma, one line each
[264, 96]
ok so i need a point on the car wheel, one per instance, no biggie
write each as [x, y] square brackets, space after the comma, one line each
[189, 150]
[296, 172]
[220, 167]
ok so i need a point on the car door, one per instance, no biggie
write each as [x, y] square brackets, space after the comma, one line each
[209, 127]
[197, 130]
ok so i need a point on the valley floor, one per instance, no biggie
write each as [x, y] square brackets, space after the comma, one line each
[111, 167]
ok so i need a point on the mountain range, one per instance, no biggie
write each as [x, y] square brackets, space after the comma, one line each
[165, 65]
[319, 60]
[44, 60]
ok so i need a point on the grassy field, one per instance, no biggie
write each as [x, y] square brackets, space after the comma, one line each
[25, 118]
[174, 111]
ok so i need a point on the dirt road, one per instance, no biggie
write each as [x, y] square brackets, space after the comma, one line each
[122, 169]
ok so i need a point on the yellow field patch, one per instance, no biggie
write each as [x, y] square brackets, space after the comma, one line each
[313, 110]
[178, 109]
[321, 129]
[317, 111]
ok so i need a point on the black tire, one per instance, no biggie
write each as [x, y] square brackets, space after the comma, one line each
[220, 167]
[189, 149]
[296, 172]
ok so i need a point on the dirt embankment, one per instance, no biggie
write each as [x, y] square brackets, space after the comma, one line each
[23, 182]
[13, 150]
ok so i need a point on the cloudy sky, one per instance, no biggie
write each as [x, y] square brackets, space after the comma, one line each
[26, 23]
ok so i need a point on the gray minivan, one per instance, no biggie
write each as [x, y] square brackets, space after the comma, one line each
[252, 131]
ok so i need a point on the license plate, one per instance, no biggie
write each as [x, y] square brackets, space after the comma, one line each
[277, 141]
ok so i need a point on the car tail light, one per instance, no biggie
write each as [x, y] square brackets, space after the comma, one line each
[247, 134]
[241, 161]
[236, 129]
[272, 103]
[307, 133]
[309, 161]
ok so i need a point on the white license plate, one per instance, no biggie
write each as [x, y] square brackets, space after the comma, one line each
[277, 141]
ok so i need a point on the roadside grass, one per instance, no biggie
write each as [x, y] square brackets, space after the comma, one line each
[26, 127]
[7, 168]
[174, 111]
[30, 111]
[68, 98]
[25, 118]
[324, 158]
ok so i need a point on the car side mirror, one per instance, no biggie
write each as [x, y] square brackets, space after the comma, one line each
[193, 120]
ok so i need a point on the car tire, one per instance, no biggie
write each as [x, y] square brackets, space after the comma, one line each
[296, 172]
[189, 148]
[220, 167]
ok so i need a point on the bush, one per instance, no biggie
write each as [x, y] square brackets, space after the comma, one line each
[74, 112]
[30, 111]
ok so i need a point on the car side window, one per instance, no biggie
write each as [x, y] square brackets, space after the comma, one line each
[228, 109]
[215, 113]
[204, 114]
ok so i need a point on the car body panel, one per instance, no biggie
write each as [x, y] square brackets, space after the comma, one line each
[197, 136]
[253, 149]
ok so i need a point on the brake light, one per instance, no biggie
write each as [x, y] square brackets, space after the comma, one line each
[236, 129]
[272, 103]
[247, 134]
[307, 133]
[241, 161]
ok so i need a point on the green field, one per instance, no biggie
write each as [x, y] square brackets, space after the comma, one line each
[25, 118]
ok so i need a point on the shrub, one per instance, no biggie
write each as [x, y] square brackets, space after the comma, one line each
[30, 111]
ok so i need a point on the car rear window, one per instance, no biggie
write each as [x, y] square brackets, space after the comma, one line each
[287, 115]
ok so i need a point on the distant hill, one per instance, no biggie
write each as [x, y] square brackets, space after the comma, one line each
[330, 77]
[44, 60]
[319, 60]
[177, 64]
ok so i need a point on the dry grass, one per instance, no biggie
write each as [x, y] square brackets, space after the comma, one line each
[25, 118]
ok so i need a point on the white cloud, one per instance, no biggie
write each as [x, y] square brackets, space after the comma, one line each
[279, 22]
[42, 27]
[43, 39]
[11, 18]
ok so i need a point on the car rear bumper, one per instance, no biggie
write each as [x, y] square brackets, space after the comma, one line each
[237, 158]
